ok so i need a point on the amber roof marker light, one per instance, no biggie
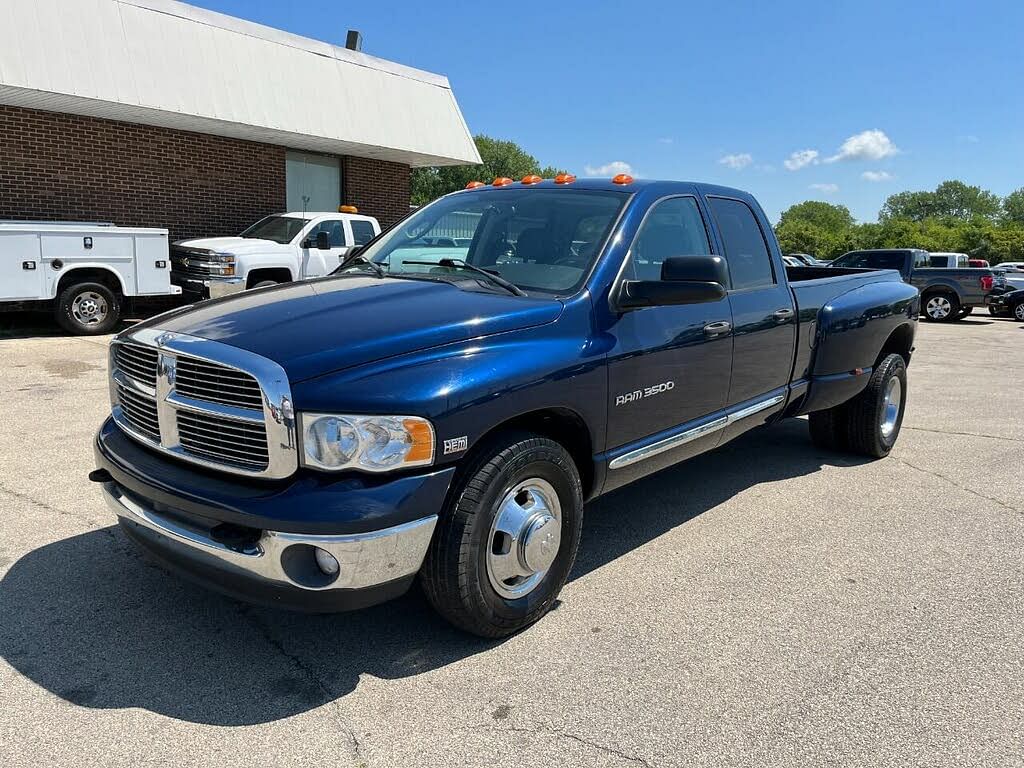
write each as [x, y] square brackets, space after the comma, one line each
[532, 179]
[475, 184]
[564, 178]
[502, 181]
[622, 178]
[347, 209]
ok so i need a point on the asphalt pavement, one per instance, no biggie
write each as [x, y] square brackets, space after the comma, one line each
[768, 604]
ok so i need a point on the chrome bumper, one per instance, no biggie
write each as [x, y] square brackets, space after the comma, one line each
[286, 559]
[209, 288]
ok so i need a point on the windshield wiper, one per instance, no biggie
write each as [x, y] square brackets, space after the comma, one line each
[362, 261]
[496, 279]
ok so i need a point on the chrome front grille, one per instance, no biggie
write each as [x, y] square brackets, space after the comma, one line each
[194, 263]
[204, 402]
[217, 384]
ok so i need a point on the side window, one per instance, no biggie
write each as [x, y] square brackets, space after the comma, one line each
[674, 227]
[362, 231]
[921, 260]
[335, 231]
[746, 252]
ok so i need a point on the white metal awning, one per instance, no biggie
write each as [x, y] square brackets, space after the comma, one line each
[165, 63]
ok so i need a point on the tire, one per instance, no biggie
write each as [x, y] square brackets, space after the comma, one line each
[828, 429]
[264, 284]
[992, 311]
[875, 416]
[88, 309]
[940, 308]
[1018, 311]
[507, 482]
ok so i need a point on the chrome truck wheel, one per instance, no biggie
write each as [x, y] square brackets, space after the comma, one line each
[505, 544]
[891, 402]
[938, 308]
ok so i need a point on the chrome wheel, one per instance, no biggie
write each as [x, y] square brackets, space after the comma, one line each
[1018, 312]
[938, 307]
[89, 308]
[525, 537]
[891, 407]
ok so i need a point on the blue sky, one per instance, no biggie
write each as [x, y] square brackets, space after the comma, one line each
[889, 95]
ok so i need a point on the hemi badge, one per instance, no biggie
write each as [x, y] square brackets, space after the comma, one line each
[456, 444]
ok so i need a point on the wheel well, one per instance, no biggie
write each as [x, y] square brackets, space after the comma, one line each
[278, 274]
[900, 342]
[562, 425]
[940, 289]
[89, 275]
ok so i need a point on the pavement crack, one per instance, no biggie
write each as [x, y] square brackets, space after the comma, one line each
[603, 748]
[312, 677]
[966, 434]
[102, 527]
[962, 487]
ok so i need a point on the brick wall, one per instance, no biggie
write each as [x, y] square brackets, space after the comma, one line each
[61, 166]
[376, 187]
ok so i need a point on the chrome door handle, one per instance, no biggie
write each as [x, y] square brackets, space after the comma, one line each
[782, 314]
[717, 329]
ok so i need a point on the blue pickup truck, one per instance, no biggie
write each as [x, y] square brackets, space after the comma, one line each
[445, 404]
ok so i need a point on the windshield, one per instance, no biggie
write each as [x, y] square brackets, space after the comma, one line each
[540, 240]
[280, 229]
[869, 260]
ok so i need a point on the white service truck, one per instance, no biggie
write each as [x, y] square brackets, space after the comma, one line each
[85, 271]
[276, 249]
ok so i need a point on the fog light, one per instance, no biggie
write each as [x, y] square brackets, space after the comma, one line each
[325, 560]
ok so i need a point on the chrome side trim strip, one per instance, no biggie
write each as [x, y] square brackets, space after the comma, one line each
[365, 559]
[674, 441]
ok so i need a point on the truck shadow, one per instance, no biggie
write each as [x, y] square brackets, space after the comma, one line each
[95, 624]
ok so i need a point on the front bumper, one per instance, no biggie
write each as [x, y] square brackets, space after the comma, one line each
[257, 540]
[210, 287]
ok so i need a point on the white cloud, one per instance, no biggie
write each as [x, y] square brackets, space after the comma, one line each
[826, 189]
[867, 145]
[613, 168]
[801, 158]
[737, 162]
[876, 176]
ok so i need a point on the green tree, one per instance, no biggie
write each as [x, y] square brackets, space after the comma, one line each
[1013, 206]
[825, 216]
[500, 158]
[951, 199]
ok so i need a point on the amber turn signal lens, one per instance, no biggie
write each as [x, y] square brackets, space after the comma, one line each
[502, 181]
[622, 178]
[422, 440]
[532, 179]
[564, 178]
[475, 184]
[347, 209]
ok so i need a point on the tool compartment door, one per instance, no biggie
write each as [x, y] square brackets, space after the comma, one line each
[152, 265]
[21, 268]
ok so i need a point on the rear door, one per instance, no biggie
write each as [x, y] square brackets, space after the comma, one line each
[763, 311]
[665, 370]
[21, 266]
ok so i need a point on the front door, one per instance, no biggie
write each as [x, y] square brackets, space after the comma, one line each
[315, 262]
[763, 312]
[669, 366]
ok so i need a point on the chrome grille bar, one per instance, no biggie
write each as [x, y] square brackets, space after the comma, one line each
[204, 402]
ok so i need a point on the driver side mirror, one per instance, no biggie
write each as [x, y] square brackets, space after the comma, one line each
[684, 280]
[323, 241]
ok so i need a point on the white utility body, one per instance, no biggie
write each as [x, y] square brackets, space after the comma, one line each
[276, 249]
[86, 269]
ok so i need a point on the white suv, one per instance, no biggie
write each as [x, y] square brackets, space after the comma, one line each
[277, 249]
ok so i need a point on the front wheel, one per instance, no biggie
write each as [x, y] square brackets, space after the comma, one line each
[1018, 311]
[507, 541]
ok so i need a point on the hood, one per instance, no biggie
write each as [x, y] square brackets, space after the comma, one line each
[320, 326]
[232, 244]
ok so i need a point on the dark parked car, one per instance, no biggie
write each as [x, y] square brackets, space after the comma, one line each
[1009, 304]
[321, 444]
[947, 294]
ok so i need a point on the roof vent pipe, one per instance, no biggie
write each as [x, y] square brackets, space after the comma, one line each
[354, 40]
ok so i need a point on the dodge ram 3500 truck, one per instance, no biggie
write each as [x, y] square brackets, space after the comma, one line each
[446, 403]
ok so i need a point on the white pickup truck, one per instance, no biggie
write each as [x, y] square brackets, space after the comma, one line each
[276, 249]
[84, 271]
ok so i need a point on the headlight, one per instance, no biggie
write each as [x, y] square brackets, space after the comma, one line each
[371, 443]
[222, 263]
